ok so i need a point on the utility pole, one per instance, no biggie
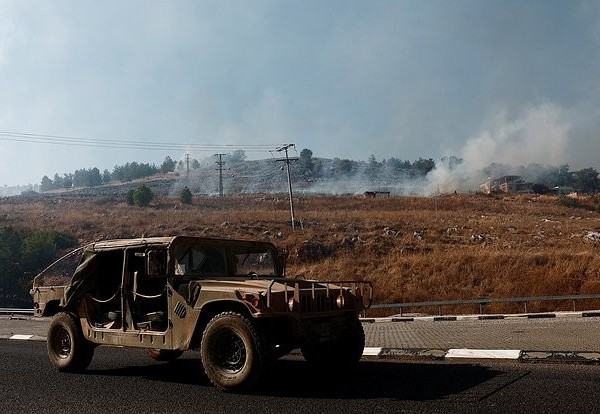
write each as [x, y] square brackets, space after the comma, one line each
[287, 160]
[220, 163]
[187, 163]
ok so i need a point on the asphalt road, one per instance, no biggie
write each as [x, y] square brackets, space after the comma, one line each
[124, 380]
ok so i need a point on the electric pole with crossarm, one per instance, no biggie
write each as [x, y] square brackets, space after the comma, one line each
[287, 160]
[220, 163]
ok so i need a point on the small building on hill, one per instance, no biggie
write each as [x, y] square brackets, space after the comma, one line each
[506, 184]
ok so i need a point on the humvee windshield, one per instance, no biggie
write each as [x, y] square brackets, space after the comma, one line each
[254, 262]
[202, 260]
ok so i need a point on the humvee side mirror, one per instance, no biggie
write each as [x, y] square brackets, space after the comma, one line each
[156, 263]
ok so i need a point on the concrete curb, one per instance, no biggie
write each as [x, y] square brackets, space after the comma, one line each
[547, 315]
[483, 354]
[21, 337]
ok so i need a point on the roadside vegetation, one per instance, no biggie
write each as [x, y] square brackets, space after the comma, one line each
[412, 248]
[23, 253]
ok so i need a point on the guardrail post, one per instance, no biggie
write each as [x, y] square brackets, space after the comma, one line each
[573, 305]
[525, 303]
[480, 308]
[440, 310]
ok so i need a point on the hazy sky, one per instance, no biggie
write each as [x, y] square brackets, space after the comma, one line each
[489, 81]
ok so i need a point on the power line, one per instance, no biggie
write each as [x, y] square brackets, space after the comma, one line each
[125, 144]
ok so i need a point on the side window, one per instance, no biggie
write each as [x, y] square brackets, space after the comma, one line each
[156, 263]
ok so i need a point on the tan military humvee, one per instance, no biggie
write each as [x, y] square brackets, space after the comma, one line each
[229, 299]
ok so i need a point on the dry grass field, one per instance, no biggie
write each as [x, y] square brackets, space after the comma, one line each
[412, 248]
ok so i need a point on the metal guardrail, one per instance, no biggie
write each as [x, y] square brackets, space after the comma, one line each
[435, 303]
[12, 311]
[481, 302]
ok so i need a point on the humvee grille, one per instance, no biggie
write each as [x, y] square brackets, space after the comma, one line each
[315, 296]
[320, 303]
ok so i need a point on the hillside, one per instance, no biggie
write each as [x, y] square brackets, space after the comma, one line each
[411, 248]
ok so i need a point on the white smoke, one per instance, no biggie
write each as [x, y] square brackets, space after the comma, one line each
[537, 135]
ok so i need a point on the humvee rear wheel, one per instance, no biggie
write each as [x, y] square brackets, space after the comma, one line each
[232, 352]
[164, 354]
[345, 350]
[68, 350]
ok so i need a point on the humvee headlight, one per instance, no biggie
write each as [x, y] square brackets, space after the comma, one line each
[340, 301]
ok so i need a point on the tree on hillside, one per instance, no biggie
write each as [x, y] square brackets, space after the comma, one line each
[305, 162]
[133, 170]
[586, 180]
[46, 184]
[237, 156]
[343, 168]
[87, 178]
[67, 181]
[168, 165]
[451, 162]
[397, 165]
[58, 181]
[373, 169]
[423, 166]
[106, 177]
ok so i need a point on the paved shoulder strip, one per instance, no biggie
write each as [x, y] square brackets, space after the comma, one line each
[547, 315]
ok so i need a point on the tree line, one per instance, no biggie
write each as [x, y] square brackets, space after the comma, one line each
[373, 172]
[92, 177]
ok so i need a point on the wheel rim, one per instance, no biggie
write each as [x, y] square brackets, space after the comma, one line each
[229, 353]
[62, 343]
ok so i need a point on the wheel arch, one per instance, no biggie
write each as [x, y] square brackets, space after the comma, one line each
[52, 308]
[212, 309]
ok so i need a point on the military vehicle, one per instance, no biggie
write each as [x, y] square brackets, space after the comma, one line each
[229, 299]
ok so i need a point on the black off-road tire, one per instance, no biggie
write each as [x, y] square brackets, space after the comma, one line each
[344, 351]
[164, 355]
[68, 350]
[232, 352]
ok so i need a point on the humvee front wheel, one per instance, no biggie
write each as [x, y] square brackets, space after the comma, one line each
[232, 352]
[68, 350]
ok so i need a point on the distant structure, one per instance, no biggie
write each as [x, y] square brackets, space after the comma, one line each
[375, 194]
[506, 184]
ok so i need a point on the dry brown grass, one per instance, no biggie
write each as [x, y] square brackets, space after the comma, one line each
[470, 246]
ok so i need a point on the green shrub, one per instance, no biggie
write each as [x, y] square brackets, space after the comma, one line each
[142, 196]
[185, 196]
[129, 197]
[568, 202]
